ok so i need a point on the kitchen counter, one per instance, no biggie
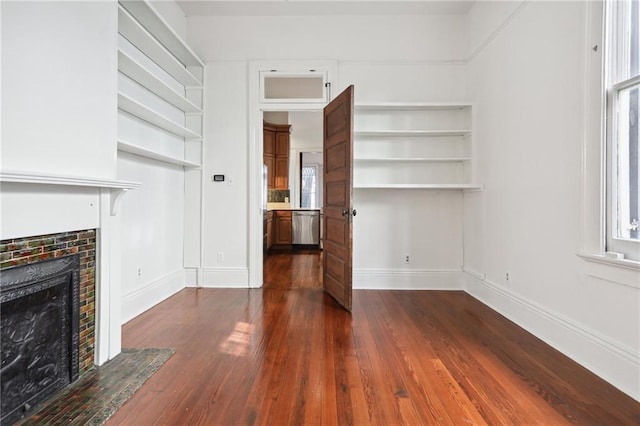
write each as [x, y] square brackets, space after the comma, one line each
[291, 209]
[287, 207]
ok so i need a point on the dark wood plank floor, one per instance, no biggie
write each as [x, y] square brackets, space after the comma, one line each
[300, 268]
[277, 357]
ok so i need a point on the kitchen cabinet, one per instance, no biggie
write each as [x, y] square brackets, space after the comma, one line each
[269, 230]
[282, 228]
[281, 175]
[276, 154]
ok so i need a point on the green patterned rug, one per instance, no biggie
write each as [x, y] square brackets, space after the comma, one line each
[100, 392]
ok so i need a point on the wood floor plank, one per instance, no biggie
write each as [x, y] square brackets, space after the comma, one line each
[275, 356]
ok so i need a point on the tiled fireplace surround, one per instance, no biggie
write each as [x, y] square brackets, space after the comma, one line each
[21, 251]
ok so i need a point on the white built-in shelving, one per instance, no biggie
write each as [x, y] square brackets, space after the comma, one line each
[411, 106]
[143, 152]
[131, 29]
[417, 186]
[413, 160]
[413, 145]
[147, 114]
[162, 31]
[138, 73]
[411, 133]
[162, 90]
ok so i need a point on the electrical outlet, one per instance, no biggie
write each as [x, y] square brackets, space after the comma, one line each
[407, 258]
[139, 271]
[220, 256]
[506, 276]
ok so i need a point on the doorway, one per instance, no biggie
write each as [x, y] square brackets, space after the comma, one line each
[292, 154]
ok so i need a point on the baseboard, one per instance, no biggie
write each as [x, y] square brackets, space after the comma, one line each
[226, 278]
[191, 277]
[613, 362]
[152, 293]
[407, 279]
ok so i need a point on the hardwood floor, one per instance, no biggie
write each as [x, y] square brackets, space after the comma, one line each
[293, 269]
[276, 357]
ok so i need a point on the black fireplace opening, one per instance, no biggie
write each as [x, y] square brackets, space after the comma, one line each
[39, 315]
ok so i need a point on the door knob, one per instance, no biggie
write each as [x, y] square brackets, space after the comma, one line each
[345, 212]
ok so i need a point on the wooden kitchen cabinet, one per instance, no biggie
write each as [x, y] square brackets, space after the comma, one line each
[281, 175]
[276, 154]
[282, 143]
[282, 228]
[269, 230]
[269, 140]
[270, 162]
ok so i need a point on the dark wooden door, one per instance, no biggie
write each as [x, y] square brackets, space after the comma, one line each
[338, 189]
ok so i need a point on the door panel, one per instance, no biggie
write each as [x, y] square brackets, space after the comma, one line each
[338, 189]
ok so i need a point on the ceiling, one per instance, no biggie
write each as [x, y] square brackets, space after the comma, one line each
[323, 7]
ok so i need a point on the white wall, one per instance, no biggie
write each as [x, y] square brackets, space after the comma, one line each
[58, 88]
[354, 38]
[526, 79]
[388, 58]
[226, 203]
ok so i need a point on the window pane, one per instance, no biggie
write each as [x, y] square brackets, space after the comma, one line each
[628, 183]
[625, 18]
[309, 187]
[294, 87]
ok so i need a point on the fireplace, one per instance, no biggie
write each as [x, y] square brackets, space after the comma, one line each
[40, 315]
[71, 256]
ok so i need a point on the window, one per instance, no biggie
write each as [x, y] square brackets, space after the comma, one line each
[294, 87]
[309, 187]
[622, 80]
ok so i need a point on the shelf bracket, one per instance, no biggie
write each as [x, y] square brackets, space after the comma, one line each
[116, 195]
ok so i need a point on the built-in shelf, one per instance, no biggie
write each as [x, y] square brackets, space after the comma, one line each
[143, 152]
[413, 160]
[137, 35]
[144, 113]
[410, 133]
[138, 73]
[418, 186]
[412, 106]
[411, 123]
[145, 14]
[54, 179]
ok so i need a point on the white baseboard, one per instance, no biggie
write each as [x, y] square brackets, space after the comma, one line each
[613, 362]
[226, 278]
[407, 279]
[191, 277]
[150, 294]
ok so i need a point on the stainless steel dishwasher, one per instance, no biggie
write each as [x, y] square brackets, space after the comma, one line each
[306, 227]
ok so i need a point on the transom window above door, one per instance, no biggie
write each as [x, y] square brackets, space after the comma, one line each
[308, 86]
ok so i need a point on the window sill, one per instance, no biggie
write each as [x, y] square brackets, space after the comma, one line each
[618, 271]
[622, 263]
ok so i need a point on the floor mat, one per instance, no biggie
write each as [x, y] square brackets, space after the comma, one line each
[100, 392]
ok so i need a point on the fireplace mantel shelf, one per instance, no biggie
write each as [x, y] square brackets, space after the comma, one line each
[117, 187]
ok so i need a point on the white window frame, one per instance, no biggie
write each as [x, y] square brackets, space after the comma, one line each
[615, 47]
[311, 73]
[315, 193]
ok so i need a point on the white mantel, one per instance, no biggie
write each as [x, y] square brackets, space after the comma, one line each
[38, 204]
